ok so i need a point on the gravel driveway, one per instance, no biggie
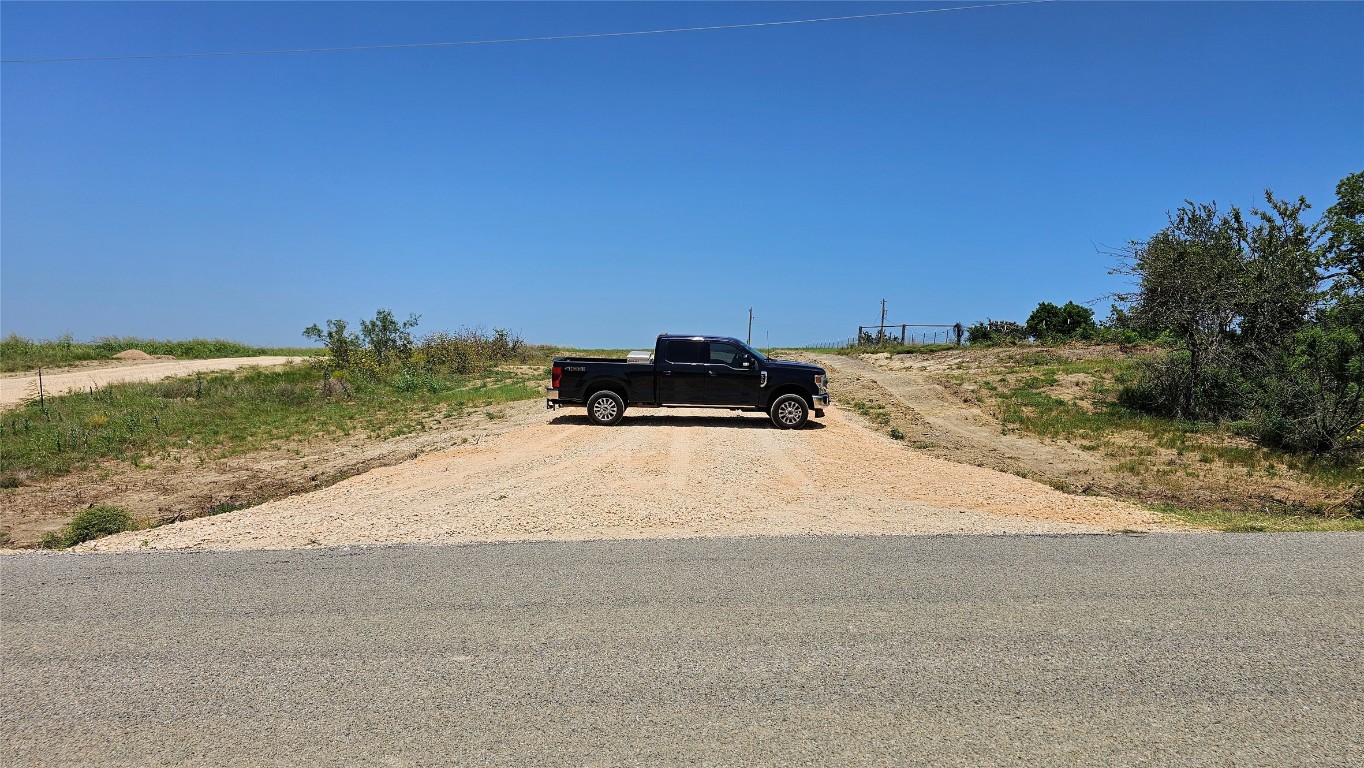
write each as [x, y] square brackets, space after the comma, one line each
[659, 474]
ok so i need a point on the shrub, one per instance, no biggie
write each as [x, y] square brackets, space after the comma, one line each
[416, 381]
[339, 341]
[92, 523]
[466, 351]
[1313, 399]
[995, 332]
[386, 339]
[1052, 323]
[1170, 387]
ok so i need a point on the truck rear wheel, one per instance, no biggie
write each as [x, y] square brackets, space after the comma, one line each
[789, 412]
[606, 408]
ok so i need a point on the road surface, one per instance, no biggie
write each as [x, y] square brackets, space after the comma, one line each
[1189, 650]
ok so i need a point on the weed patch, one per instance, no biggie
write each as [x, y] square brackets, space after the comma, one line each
[229, 413]
[1269, 521]
[90, 524]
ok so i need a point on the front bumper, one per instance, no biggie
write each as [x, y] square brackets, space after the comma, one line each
[820, 403]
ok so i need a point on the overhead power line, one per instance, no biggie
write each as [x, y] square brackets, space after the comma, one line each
[538, 39]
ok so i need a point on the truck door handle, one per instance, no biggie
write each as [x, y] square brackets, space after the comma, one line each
[667, 373]
[712, 373]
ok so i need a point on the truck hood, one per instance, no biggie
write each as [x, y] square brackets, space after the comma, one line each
[791, 365]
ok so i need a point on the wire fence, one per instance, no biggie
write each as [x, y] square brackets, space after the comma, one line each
[907, 334]
[836, 344]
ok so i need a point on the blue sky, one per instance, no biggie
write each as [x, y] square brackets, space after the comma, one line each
[960, 165]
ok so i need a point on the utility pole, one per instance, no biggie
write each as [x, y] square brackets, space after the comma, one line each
[749, 340]
[881, 332]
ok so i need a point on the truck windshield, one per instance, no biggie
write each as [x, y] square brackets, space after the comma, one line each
[754, 352]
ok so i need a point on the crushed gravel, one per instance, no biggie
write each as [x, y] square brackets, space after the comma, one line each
[659, 474]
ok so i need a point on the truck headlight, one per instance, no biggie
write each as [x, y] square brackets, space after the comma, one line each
[822, 381]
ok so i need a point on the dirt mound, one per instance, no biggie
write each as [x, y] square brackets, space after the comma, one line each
[133, 354]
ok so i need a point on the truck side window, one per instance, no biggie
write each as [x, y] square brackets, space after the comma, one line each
[725, 354]
[684, 351]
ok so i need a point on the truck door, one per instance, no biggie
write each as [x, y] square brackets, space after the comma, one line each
[682, 376]
[730, 381]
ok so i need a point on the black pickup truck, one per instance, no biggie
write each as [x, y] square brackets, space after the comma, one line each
[691, 371]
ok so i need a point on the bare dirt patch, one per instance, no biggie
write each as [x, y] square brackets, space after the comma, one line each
[658, 474]
[16, 388]
[133, 354]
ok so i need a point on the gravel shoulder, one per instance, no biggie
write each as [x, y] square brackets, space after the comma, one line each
[16, 388]
[660, 474]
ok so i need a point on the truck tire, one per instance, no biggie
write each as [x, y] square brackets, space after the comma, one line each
[606, 408]
[789, 412]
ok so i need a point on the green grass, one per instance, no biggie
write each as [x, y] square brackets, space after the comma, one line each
[1026, 405]
[20, 354]
[1253, 522]
[874, 411]
[217, 415]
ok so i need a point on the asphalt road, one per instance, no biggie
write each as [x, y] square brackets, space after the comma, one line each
[1159, 650]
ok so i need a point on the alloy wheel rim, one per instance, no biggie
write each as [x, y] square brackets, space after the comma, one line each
[605, 409]
[789, 413]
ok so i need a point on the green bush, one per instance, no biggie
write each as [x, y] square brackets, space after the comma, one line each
[1052, 323]
[466, 351]
[384, 351]
[92, 523]
[995, 332]
[1269, 319]
[1169, 387]
[416, 381]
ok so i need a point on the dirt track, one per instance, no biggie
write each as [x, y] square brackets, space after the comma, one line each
[18, 388]
[667, 474]
[939, 423]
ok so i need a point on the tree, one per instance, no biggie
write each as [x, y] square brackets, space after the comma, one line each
[386, 339]
[1270, 319]
[339, 342]
[1345, 244]
[1191, 277]
[1050, 323]
[1280, 286]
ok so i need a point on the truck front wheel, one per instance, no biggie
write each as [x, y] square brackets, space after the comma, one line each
[789, 412]
[606, 408]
